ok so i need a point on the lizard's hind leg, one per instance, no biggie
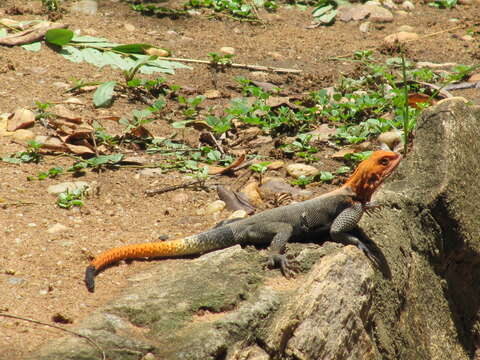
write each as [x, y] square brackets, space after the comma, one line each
[278, 234]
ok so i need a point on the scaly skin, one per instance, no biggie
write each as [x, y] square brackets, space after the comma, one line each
[338, 211]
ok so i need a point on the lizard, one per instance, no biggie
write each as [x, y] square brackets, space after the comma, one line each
[337, 211]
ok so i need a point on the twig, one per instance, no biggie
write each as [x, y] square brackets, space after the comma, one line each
[407, 41]
[243, 66]
[90, 340]
[172, 188]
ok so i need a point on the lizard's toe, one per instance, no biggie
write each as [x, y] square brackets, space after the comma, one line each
[287, 267]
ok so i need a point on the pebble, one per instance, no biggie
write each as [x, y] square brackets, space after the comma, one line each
[251, 191]
[16, 280]
[32, 225]
[364, 27]
[23, 135]
[389, 4]
[467, 38]
[214, 207]
[70, 186]
[151, 172]
[149, 356]
[297, 170]
[57, 228]
[379, 14]
[401, 36]
[239, 214]
[408, 5]
[212, 94]
[407, 28]
[129, 27]
[227, 50]
[275, 165]
[474, 78]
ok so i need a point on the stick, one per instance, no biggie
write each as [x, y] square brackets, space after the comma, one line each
[406, 41]
[243, 66]
[172, 188]
[59, 328]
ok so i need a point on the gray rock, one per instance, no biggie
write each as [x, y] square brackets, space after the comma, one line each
[418, 300]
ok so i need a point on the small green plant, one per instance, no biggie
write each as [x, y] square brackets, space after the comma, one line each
[358, 156]
[301, 147]
[239, 9]
[51, 5]
[42, 110]
[51, 173]
[342, 170]
[190, 105]
[97, 162]
[219, 59]
[142, 117]
[303, 180]
[72, 198]
[443, 4]
[260, 167]
[31, 155]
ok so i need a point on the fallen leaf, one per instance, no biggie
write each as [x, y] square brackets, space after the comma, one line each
[20, 119]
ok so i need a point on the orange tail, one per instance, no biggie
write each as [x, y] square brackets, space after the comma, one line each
[136, 251]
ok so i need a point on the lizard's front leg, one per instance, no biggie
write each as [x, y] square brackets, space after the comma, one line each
[279, 233]
[346, 221]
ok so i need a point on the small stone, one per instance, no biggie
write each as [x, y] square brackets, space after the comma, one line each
[389, 4]
[364, 26]
[227, 50]
[239, 214]
[9, 272]
[276, 55]
[408, 6]
[61, 85]
[149, 356]
[467, 38]
[57, 228]
[32, 225]
[276, 165]
[390, 138]
[454, 20]
[23, 135]
[474, 77]
[407, 28]
[252, 192]
[212, 94]
[379, 14]
[214, 207]
[43, 292]
[16, 280]
[151, 172]
[372, 3]
[297, 170]
[401, 36]
[70, 186]
[129, 27]
[259, 75]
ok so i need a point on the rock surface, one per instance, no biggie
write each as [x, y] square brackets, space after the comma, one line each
[418, 301]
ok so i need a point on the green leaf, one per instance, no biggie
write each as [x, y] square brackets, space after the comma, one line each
[321, 10]
[59, 37]
[327, 18]
[132, 48]
[36, 46]
[103, 95]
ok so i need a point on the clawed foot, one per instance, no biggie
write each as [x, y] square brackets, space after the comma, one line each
[371, 206]
[367, 251]
[287, 267]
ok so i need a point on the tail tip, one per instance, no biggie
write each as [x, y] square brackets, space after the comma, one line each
[90, 278]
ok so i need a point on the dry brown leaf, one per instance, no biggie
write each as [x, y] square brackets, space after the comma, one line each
[20, 119]
[35, 33]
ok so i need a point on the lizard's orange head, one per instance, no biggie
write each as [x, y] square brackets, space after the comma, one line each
[371, 172]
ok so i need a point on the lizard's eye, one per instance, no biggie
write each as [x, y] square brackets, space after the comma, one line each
[384, 161]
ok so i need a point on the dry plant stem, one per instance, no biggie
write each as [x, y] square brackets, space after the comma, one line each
[243, 66]
[407, 41]
[90, 340]
[172, 188]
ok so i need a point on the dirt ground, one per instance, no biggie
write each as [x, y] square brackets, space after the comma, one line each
[48, 269]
